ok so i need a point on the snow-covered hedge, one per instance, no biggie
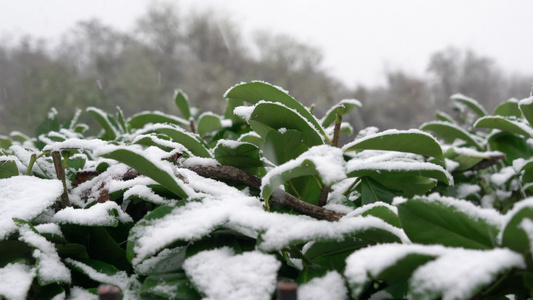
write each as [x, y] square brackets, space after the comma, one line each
[227, 206]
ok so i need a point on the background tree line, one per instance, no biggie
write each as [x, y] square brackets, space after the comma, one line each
[204, 54]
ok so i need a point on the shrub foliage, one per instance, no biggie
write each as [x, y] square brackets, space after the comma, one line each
[225, 206]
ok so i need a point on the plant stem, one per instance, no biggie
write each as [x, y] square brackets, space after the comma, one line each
[337, 128]
[33, 158]
[56, 157]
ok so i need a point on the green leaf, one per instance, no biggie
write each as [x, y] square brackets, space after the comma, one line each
[230, 106]
[412, 141]
[8, 168]
[506, 124]
[94, 269]
[444, 117]
[526, 107]
[139, 228]
[468, 158]
[384, 213]
[168, 260]
[182, 102]
[104, 248]
[121, 120]
[305, 168]
[107, 122]
[256, 91]
[470, 103]
[208, 122]
[280, 147]
[389, 263]
[5, 142]
[238, 154]
[449, 132]
[154, 117]
[51, 123]
[509, 108]
[513, 146]
[514, 236]
[145, 166]
[348, 106]
[274, 116]
[448, 222]
[372, 191]
[191, 141]
[169, 286]
[398, 167]
[13, 251]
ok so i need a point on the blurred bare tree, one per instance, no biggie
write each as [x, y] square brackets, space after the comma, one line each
[204, 54]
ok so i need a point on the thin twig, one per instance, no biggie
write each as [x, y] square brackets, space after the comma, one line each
[278, 197]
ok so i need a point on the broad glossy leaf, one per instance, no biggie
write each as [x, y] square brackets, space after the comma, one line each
[470, 103]
[398, 168]
[8, 168]
[145, 166]
[107, 122]
[412, 141]
[514, 236]
[449, 132]
[230, 106]
[256, 91]
[348, 106]
[169, 286]
[513, 146]
[280, 147]
[384, 213]
[182, 102]
[509, 108]
[104, 248]
[526, 107]
[372, 191]
[189, 140]
[448, 222]
[96, 270]
[306, 168]
[468, 158]
[138, 228]
[207, 123]
[166, 261]
[5, 142]
[154, 117]
[444, 117]
[238, 154]
[273, 116]
[506, 124]
[14, 250]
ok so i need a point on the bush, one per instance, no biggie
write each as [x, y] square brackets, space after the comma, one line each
[225, 207]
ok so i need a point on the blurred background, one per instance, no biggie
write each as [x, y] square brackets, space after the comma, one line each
[401, 59]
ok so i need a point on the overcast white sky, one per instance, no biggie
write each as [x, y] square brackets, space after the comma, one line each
[359, 39]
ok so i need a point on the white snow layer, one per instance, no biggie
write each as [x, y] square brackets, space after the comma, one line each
[457, 273]
[330, 287]
[25, 198]
[16, 280]
[221, 274]
[246, 215]
[49, 265]
[100, 214]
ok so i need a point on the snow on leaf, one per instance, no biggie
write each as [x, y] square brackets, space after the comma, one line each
[108, 213]
[331, 286]
[49, 266]
[25, 198]
[461, 273]
[325, 161]
[222, 274]
[369, 263]
[16, 280]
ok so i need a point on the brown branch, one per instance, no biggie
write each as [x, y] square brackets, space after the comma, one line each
[278, 197]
